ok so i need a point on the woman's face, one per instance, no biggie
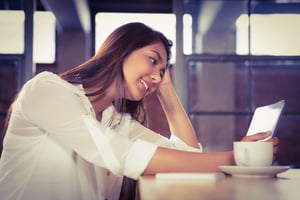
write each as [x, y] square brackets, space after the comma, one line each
[143, 70]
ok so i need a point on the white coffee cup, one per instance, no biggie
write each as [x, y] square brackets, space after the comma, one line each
[252, 154]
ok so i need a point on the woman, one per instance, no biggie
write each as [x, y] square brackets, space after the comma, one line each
[50, 151]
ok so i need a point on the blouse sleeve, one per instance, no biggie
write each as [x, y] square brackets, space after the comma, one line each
[58, 111]
[139, 131]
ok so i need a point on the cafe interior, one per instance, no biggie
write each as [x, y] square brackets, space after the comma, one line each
[228, 58]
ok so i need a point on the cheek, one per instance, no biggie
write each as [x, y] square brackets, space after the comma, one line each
[138, 67]
[145, 68]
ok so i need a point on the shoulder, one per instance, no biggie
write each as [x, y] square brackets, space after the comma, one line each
[50, 90]
[47, 85]
[45, 77]
[51, 82]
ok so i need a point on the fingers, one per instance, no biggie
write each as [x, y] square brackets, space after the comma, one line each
[166, 78]
[261, 136]
[257, 136]
[275, 141]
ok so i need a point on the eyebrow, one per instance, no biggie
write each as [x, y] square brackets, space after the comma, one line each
[159, 57]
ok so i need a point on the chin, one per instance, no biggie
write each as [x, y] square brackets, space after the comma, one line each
[138, 99]
[134, 98]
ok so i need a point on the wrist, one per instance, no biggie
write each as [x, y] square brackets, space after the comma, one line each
[164, 89]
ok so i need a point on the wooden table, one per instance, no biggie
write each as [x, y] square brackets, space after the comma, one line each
[286, 186]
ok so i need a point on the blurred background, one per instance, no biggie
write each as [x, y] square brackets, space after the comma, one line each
[229, 57]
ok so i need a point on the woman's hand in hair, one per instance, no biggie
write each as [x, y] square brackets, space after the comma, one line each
[165, 83]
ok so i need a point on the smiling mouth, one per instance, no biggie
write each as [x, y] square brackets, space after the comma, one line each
[144, 84]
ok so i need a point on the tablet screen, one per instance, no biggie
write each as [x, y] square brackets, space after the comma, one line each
[266, 118]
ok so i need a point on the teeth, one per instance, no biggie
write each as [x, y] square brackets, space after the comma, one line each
[144, 83]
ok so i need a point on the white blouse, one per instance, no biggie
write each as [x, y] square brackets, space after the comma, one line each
[50, 153]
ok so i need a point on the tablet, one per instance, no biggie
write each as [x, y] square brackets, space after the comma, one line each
[266, 118]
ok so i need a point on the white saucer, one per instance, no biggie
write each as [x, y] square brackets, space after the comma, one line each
[241, 171]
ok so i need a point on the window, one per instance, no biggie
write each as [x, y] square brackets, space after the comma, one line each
[12, 35]
[12, 32]
[270, 34]
[44, 37]
[227, 81]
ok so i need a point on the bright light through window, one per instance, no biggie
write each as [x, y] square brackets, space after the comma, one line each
[165, 23]
[44, 37]
[12, 32]
[12, 35]
[273, 34]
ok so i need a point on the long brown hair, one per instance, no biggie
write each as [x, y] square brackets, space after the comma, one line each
[106, 65]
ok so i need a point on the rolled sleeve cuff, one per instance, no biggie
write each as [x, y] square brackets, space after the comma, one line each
[138, 158]
[180, 145]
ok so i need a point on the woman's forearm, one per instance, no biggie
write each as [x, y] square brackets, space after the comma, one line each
[169, 160]
[178, 120]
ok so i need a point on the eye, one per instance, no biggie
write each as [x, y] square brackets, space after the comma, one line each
[153, 60]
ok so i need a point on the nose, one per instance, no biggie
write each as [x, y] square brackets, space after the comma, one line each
[155, 77]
